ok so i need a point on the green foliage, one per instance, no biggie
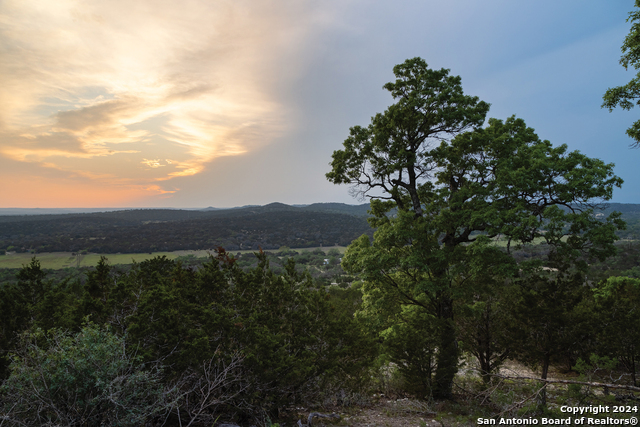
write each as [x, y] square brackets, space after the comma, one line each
[430, 104]
[234, 340]
[632, 272]
[31, 280]
[293, 338]
[546, 323]
[412, 345]
[595, 363]
[14, 317]
[593, 369]
[32, 301]
[628, 95]
[441, 185]
[333, 252]
[83, 379]
[95, 292]
[617, 306]
[482, 328]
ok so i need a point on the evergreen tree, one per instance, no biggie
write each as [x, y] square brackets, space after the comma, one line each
[438, 181]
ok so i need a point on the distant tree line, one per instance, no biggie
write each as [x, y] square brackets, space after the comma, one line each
[104, 234]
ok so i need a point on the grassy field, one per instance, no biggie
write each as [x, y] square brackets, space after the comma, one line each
[502, 242]
[58, 260]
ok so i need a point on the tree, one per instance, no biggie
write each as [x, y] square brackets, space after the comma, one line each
[95, 292]
[628, 95]
[441, 187]
[482, 331]
[618, 310]
[546, 322]
[290, 337]
[31, 281]
[411, 343]
[14, 317]
[33, 301]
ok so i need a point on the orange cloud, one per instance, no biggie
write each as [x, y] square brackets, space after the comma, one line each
[101, 90]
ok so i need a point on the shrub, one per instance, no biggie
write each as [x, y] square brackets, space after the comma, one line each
[87, 379]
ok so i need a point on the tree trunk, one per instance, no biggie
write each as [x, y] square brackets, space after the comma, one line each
[447, 359]
[633, 369]
[483, 341]
[485, 366]
[542, 398]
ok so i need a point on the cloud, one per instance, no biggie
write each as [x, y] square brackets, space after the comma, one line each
[96, 89]
[103, 114]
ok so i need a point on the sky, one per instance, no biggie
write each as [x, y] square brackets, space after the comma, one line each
[159, 103]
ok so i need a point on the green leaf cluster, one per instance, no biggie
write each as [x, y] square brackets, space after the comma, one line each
[627, 96]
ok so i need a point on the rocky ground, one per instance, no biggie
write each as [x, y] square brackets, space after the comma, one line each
[463, 410]
[391, 413]
[384, 412]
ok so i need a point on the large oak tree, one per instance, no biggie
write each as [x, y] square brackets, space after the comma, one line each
[442, 186]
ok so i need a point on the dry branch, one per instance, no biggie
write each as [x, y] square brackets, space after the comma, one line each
[587, 383]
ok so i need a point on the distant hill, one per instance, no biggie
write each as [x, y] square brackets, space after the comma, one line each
[624, 208]
[149, 230]
[53, 211]
[360, 210]
[248, 227]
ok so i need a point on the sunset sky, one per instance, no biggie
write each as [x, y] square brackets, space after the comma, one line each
[196, 103]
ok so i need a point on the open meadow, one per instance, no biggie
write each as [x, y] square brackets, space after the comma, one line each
[59, 260]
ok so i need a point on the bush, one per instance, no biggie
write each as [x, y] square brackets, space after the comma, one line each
[86, 379]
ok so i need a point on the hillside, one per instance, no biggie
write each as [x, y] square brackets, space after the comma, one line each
[249, 227]
[146, 230]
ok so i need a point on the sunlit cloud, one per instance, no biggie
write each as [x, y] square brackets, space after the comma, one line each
[152, 163]
[110, 91]
[159, 190]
